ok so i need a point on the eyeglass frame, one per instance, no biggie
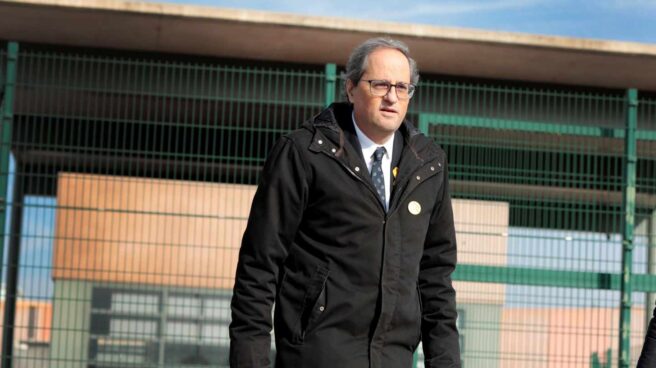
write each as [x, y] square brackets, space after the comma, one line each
[411, 88]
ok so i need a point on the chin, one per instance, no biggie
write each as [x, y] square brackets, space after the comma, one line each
[391, 125]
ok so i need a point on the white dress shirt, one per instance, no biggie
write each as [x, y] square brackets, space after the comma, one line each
[368, 148]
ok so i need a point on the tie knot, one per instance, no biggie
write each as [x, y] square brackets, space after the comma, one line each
[379, 153]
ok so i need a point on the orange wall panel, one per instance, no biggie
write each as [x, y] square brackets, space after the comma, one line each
[482, 234]
[42, 323]
[563, 337]
[146, 231]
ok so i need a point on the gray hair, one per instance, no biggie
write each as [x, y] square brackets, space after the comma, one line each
[358, 59]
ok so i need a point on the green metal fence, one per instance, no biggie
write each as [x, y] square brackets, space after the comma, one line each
[565, 185]
[129, 182]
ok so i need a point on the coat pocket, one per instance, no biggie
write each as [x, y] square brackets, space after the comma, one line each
[314, 304]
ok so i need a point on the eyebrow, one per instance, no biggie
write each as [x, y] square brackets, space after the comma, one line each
[386, 80]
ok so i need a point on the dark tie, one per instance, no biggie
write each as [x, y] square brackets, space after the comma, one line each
[377, 174]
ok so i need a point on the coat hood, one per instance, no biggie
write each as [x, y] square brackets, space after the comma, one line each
[336, 119]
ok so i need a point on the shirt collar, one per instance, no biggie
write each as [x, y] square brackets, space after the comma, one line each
[368, 146]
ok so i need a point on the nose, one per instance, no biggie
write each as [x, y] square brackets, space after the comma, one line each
[391, 95]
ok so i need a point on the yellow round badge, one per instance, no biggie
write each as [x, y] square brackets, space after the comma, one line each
[414, 207]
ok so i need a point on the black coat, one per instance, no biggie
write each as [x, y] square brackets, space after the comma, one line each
[354, 286]
[648, 355]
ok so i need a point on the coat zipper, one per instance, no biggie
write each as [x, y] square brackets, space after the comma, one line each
[385, 217]
[372, 191]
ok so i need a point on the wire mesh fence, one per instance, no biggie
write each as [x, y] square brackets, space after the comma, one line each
[130, 182]
[561, 195]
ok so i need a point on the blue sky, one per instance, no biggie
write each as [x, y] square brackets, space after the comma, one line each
[37, 235]
[624, 20]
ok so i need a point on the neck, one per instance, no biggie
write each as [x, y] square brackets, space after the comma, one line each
[379, 139]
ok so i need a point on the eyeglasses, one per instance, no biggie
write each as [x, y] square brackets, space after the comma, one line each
[404, 91]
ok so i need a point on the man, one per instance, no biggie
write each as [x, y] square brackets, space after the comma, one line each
[351, 234]
[648, 354]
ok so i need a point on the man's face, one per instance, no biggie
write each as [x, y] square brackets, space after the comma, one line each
[380, 116]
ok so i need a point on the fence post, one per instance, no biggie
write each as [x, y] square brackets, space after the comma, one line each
[651, 263]
[628, 209]
[6, 117]
[5, 149]
[594, 361]
[331, 83]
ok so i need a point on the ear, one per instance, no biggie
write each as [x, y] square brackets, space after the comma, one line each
[349, 89]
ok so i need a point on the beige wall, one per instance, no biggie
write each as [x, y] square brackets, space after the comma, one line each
[168, 232]
[563, 337]
[482, 232]
[131, 230]
[41, 325]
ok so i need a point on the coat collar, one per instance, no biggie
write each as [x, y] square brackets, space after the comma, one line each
[334, 135]
[335, 124]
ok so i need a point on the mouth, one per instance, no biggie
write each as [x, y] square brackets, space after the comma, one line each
[389, 110]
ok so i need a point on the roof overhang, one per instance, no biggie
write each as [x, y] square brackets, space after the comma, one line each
[261, 35]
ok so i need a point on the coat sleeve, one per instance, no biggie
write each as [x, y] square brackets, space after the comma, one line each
[272, 224]
[440, 338]
[648, 354]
